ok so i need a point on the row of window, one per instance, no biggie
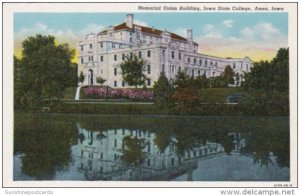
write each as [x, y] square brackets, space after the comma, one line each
[138, 133]
[148, 70]
[115, 57]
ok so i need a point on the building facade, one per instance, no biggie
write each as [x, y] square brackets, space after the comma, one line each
[101, 54]
[98, 155]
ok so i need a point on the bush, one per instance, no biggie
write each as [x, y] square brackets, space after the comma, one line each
[107, 92]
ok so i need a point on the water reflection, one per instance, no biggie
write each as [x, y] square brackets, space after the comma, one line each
[121, 148]
[123, 154]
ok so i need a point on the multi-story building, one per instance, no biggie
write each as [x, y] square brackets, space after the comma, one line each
[101, 54]
[99, 155]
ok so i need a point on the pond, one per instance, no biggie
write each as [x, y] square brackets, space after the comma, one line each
[156, 148]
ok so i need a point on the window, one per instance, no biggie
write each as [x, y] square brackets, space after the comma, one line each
[148, 162]
[81, 152]
[247, 66]
[192, 73]
[233, 65]
[179, 68]
[213, 74]
[131, 55]
[115, 83]
[113, 45]
[195, 60]
[173, 54]
[115, 143]
[81, 47]
[199, 72]
[148, 69]
[149, 53]
[211, 62]
[91, 46]
[140, 54]
[148, 82]
[101, 58]
[123, 131]
[205, 62]
[123, 83]
[130, 39]
[90, 58]
[189, 60]
[194, 153]
[115, 157]
[101, 169]
[101, 44]
[101, 155]
[172, 162]
[179, 56]
[115, 131]
[123, 56]
[115, 71]
[163, 68]
[81, 60]
[115, 57]
[200, 62]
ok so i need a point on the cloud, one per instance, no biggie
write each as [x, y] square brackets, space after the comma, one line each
[211, 32]
[259, 41]
[62, 35]
[91, 28]
[141, 23]
[261, 31]
[228, 23]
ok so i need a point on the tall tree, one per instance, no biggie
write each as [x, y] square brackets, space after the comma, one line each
[268, 85]
[163, 91]
[133, 70]
[46, 69]
[228, 75]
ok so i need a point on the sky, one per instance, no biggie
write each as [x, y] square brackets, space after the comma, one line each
[256, 35]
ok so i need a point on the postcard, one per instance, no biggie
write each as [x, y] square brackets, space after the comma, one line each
[150, 94]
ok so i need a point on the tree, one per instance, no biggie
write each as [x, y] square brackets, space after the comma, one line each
[267, 85]
[228, 75]
[133, 151]
[17, 82]
[163, 92]
[100, 80]
[133, 69]
[81, 77]
[186, 93]
[182, 80]
[46, 70]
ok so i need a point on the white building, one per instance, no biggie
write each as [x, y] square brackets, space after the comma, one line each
[101, 54]
[98, 156]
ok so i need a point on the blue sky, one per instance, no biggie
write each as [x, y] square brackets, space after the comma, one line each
[223, 34]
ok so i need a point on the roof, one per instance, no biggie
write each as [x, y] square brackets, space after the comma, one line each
[148, 30]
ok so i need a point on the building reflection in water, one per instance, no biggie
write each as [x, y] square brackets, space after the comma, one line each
[100, 155]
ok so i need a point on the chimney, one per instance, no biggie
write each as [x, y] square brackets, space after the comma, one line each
[189, 34]
[129, 20]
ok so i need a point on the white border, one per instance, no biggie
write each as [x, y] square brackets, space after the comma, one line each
[9, 10]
